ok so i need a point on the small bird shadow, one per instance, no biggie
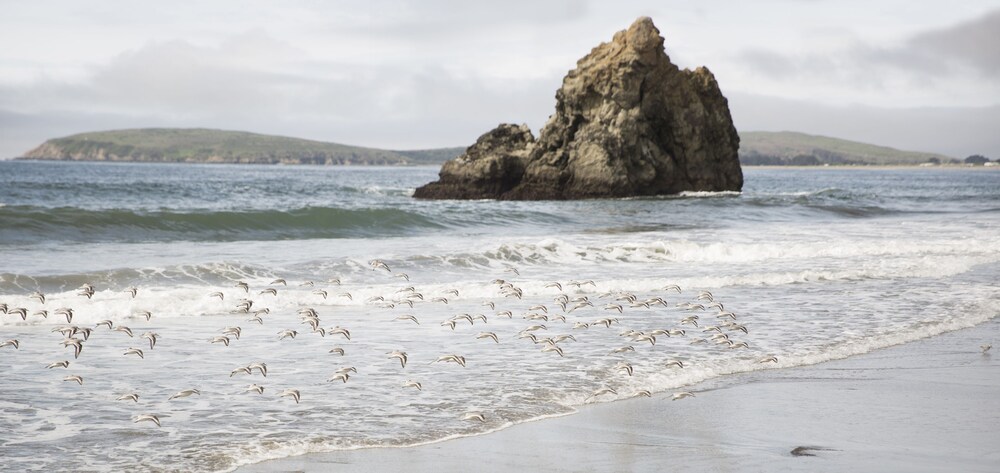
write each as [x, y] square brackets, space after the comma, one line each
[804, 451]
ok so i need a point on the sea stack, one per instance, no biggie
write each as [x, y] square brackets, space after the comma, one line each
[628, 122]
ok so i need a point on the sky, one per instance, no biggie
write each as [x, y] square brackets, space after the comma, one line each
[408, 75]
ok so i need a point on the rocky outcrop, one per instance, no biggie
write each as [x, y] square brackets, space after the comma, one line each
[489, 169]
[628, 122]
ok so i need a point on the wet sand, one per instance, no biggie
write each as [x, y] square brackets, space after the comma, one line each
[929, 405]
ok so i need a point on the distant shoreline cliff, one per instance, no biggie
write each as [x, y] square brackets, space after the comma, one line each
[198, 145]
[176, 145]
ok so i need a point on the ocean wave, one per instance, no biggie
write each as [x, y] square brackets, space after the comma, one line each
[709, 194]
[24, 224]
[555, 251]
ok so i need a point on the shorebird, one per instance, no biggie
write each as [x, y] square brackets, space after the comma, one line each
[555, 285]
[244, 306]
[184, 393]
[413, 384]
[606, 322]
[134, 351]
[490, 335]
[37, 295]
[474, 416]
[12, 342]
[241, 369]
[690, 320]
[43, 313]
[124, 329]
[293, 393]
[152, 337]
[379, 264]
[220, 295]
[74, 378]
[768, 359]
[681, 395]
[338, 330]
[234, 331]
[337, 350]
[406, 302]
[147, 417]
[403, 276]
[645, 338]
[677, 363]
[986, 347]
[601, 392]
[59, 364]
[66, 312]
[553, 348]
[339, 377]
[451, 359]
[221, 339]
[254, 388]
[243, 285]
[623, 349]
[320, 292]
[626, 367]
[672, 287]
[408, 317]
[287, 334]
[262, 367]
[85, 331]
[348, 369]
[272, 291]
[132, 290]
[76, 343]
[400, 355]
[278, 281]
[134, 397]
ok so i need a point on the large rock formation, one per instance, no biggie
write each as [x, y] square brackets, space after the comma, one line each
[628, 122]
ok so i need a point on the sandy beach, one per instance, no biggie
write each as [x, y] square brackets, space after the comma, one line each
[929, 405]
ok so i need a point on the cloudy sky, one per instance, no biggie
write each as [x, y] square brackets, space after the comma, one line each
[392, 74]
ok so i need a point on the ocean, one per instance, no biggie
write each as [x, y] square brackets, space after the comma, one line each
[815, 264]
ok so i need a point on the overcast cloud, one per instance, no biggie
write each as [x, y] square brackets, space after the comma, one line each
[429, 74]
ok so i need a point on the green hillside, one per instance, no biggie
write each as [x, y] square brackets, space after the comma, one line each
[197, 145]
[786, 147]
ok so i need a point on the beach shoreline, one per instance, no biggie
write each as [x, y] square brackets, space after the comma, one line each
[927, 405]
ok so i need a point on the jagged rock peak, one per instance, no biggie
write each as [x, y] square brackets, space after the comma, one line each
[627, 122]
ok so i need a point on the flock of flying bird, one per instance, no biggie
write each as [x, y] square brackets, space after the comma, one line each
[706, 320]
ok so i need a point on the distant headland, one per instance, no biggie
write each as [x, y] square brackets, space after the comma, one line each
[199, 145]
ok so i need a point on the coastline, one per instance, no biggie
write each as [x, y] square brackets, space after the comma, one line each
[927, 405]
